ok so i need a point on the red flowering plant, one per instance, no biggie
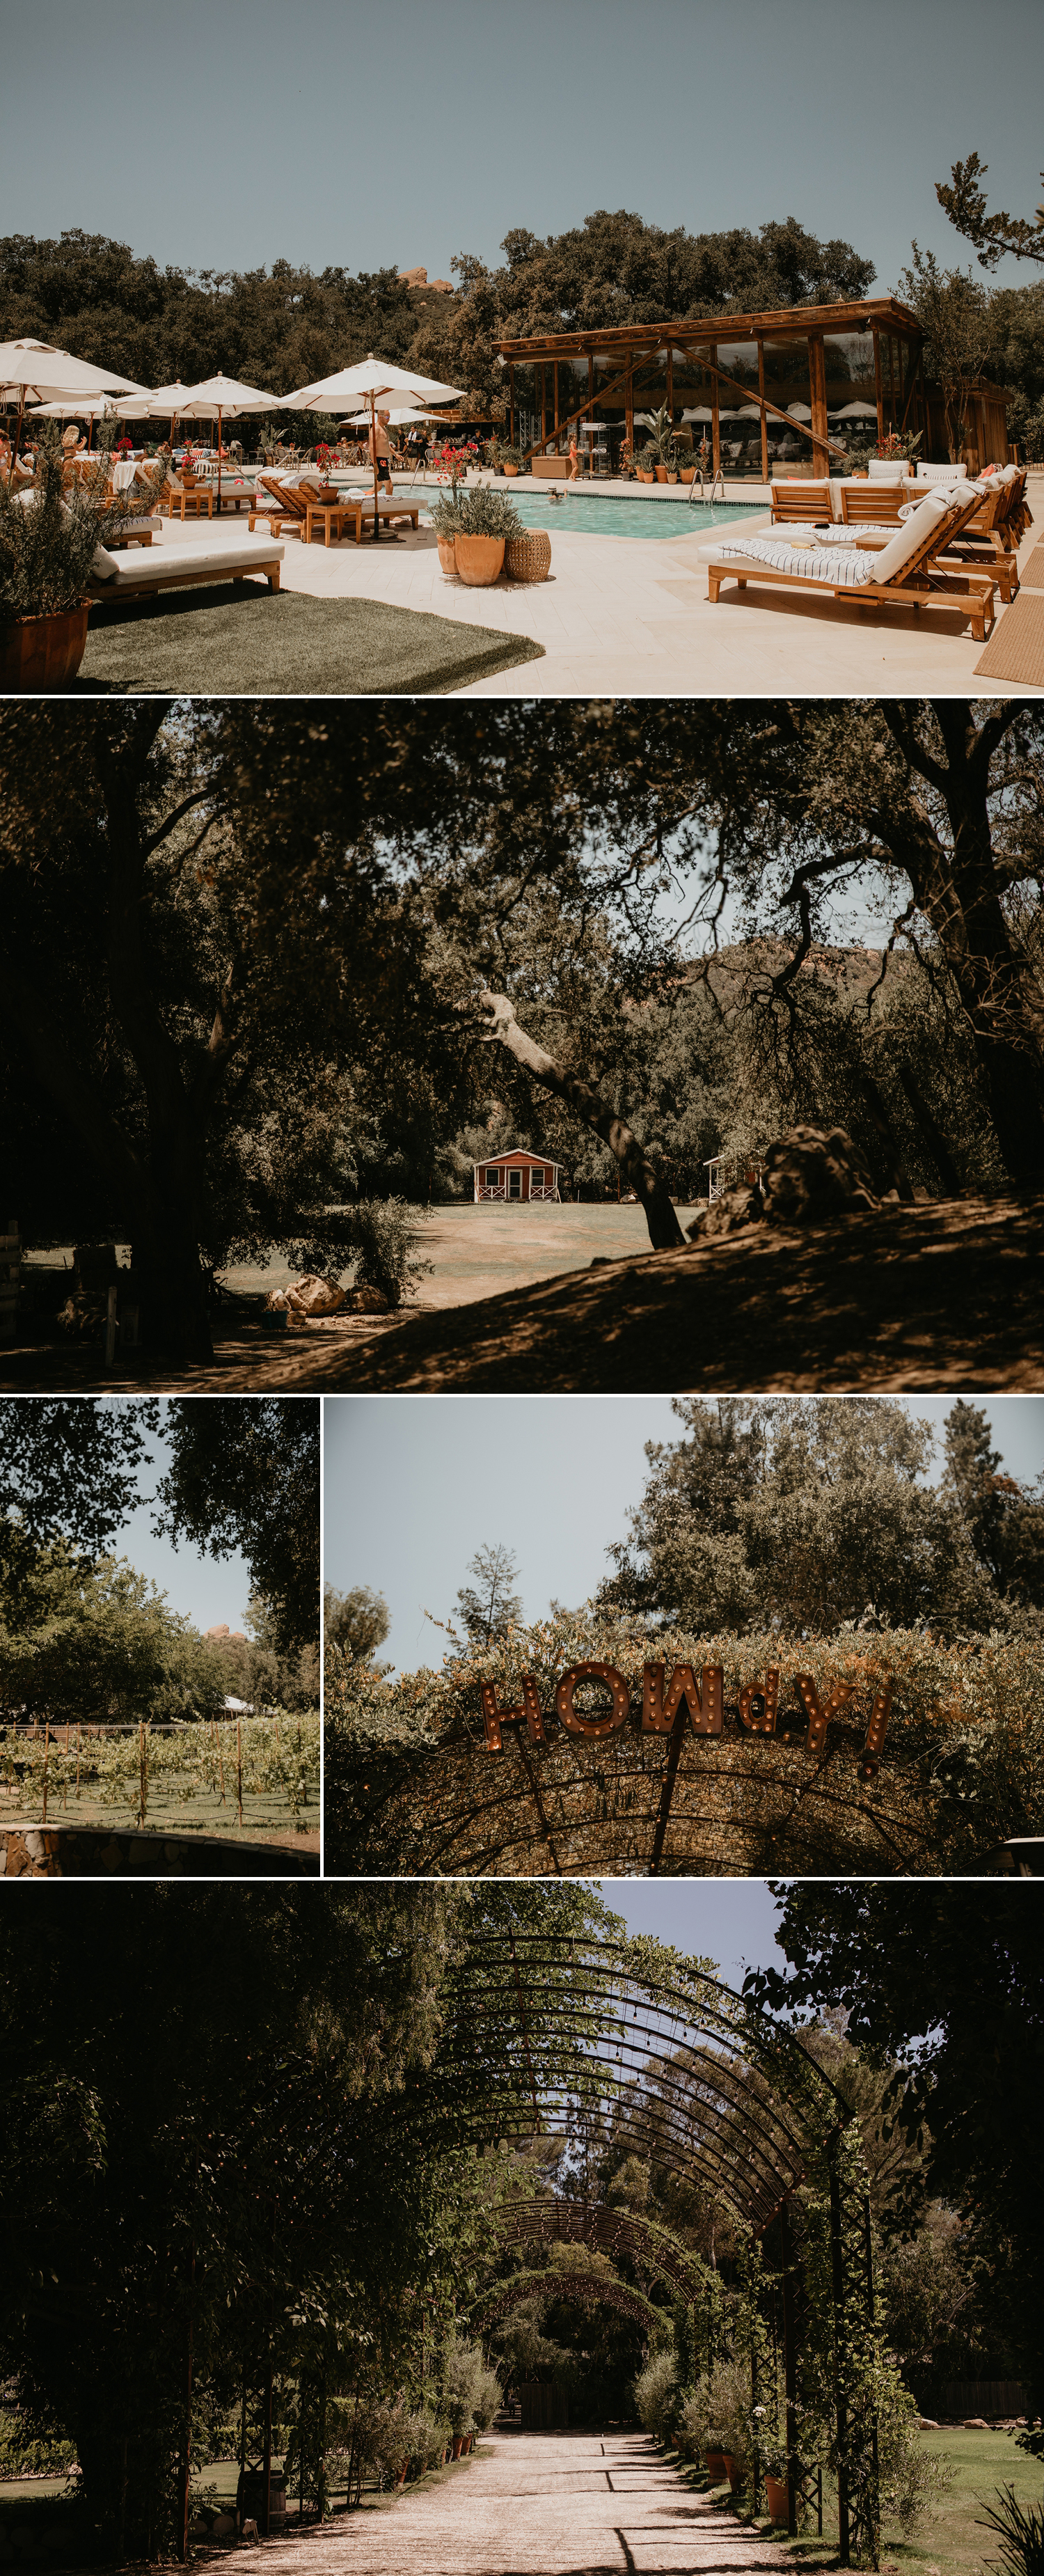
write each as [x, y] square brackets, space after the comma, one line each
[894, 449]
[124, 445]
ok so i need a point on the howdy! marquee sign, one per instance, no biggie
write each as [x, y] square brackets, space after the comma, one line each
[667, 1705]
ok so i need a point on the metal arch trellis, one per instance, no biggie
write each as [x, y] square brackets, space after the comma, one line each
[586, 2287]
[744, 1804]
[604, 2230]
[582, 2024]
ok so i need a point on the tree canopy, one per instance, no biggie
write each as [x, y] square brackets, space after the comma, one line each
[951, 1989]
[68, 1469]
[244, 1474]
[807, 1513]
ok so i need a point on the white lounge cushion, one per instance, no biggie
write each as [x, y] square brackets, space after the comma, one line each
[103, 564]
[140, 571]
[886, 469]
[849, 570]
[940, 473]
[928, 516]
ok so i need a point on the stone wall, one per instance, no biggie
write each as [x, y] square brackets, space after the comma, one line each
[79, 1851]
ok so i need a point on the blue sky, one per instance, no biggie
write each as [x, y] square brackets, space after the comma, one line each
[731, 1921]
[363, 137]
[414, 1484]
[208, 1590]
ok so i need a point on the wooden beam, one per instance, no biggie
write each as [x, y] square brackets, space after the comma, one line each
[833, 444]
[878, 386]
[793, 321]
[623, 382]
[764, 419]
[817, 399]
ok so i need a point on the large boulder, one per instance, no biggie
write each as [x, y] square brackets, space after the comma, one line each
[808, 1174]
[814, 1172]
[307, 1296]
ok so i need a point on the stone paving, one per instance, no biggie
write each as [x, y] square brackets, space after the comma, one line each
[630, 615]
[540, 2504]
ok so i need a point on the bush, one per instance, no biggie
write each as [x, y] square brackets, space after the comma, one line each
[47, 539]
[655, 2395]
[465, 2388]
[488, 513]
[46, 2452]
[382, 1233]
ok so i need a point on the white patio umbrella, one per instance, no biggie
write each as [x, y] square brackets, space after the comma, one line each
[32, 367]
[376, 381]
[219, 397]
[798, 411]
[857, 411]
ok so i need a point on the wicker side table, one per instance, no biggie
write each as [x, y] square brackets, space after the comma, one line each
[528, 558]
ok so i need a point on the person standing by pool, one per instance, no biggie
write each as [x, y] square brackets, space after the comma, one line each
[574, 460]
[380, 452]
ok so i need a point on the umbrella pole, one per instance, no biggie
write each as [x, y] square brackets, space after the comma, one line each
[219, 464]
[376, 486]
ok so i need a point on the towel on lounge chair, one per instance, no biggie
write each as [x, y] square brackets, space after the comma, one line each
[848, 566]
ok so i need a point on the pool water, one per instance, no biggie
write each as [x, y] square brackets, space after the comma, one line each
[592, 515]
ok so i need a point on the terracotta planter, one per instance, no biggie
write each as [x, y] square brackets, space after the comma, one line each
[458, 2445]
[447, 557]
[716, 2469]
[642, 477]
[687, 474]
[479, 559]
[41, 654]
[661, 474]
[511, 469]
[776, 2492]
[671, 478]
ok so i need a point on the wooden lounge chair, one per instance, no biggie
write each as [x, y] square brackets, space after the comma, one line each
[908, 575]
[802, 501]
[182, 568]
[285, 508]
[992, 537]
[871, 504]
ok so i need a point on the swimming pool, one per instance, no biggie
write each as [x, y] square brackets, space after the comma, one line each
[594, 515]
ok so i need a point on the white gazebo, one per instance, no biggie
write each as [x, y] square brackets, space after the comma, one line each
[516, 1176]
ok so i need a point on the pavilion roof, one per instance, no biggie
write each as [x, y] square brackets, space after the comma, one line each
[793, 319]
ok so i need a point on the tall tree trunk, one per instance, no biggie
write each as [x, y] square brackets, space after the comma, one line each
[959, 891]
[665, 1234]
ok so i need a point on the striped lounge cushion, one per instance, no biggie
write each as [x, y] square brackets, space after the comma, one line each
[848, 567]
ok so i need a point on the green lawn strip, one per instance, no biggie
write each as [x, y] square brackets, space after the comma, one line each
[255, 643]
[203, 1813]
[950, 2539]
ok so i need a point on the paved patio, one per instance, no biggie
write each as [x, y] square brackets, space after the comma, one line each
[630, 615]
[540, 2504]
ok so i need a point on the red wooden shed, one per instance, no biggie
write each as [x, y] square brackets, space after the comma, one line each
[516, 1175]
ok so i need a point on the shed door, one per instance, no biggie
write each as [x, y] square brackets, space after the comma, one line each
[514, 1185]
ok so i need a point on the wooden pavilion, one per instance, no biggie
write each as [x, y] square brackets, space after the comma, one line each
[782, 391]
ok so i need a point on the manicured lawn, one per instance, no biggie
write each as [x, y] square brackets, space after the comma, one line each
[948, 2542]
[247, 642]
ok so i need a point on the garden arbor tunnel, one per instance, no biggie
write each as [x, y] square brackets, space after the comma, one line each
[568, 2046]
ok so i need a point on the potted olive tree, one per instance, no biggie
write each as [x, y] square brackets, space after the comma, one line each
[49, 536]
[479, 523]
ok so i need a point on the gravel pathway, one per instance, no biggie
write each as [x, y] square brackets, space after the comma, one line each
[540, 2504]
